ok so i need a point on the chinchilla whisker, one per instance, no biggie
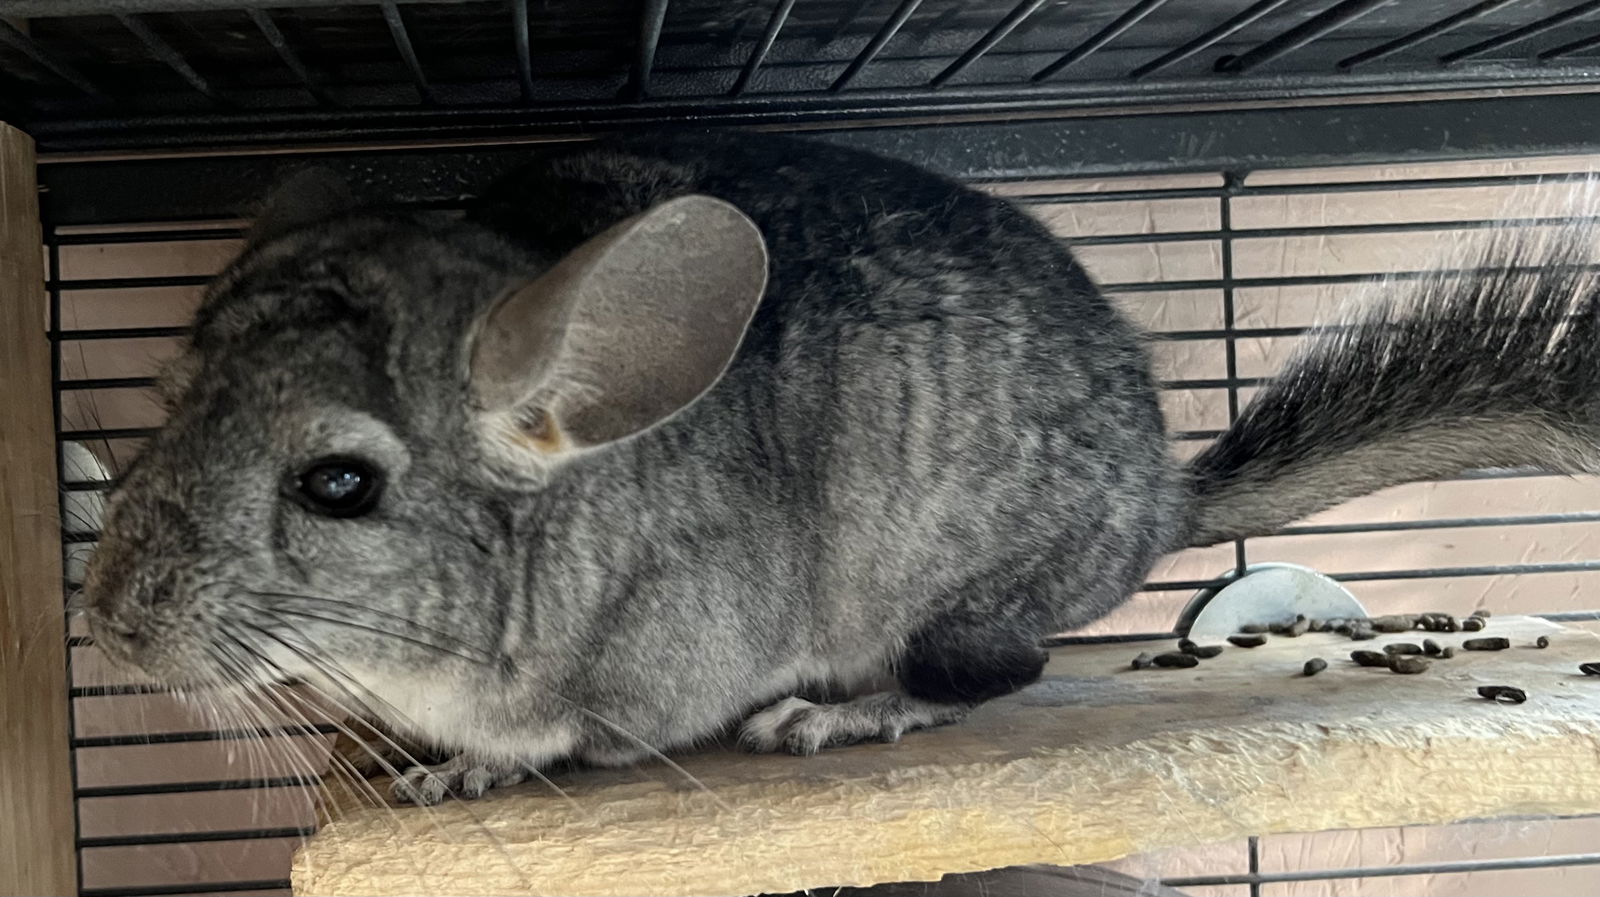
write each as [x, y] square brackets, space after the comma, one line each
[46, 628]
[291, 704]
[78, 521]
[652, 751]
[560, 792]
[249, 710]
[325, 667]
[308, 654]
[348, 605]
[344, 771]
[351, 624]
[430, 812]
[90, 406]
[345, 683]
[340, 763]
[340, 680]
[369, 611]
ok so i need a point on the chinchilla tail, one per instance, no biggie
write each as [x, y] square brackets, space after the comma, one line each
[1492, 360]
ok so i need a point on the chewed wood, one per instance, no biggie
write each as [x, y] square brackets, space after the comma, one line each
[1094, 762]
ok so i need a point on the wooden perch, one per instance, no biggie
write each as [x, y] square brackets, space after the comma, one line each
[36, 850]
[1093, 763]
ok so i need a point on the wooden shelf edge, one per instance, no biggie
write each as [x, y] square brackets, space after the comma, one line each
[1091, 765]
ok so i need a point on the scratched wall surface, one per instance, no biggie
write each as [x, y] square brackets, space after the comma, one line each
[1151, 249]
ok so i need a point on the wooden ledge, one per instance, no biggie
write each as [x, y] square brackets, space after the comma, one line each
[1093, 763]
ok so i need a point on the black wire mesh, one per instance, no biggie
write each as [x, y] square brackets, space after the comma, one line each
[83, 74]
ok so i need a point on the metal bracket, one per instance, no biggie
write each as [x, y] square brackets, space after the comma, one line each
[1265, 593]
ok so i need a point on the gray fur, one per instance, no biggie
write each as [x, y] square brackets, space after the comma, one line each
[937, 443]
[1427, 378]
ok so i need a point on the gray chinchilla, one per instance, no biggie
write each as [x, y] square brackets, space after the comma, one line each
[670, 429]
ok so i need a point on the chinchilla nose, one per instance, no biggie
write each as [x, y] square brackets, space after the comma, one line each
[113, 623]
[111, 598]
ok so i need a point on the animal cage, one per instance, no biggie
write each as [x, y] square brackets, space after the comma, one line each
[1228, 170]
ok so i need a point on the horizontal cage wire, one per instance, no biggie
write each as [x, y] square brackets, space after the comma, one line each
[258, 71]
[120, 292]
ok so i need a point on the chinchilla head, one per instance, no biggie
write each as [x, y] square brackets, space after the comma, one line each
[366, 404]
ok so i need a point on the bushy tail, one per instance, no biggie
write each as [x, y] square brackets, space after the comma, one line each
[1499, 367]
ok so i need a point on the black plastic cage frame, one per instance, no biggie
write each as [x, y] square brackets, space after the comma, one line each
[96, 74]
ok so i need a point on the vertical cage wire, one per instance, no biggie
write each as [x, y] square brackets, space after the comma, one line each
[1426, 33]
[1515, 35]
[769, 36]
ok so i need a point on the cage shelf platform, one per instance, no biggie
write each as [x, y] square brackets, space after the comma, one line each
[1094, 762]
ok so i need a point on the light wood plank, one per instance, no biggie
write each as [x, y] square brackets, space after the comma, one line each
[1093, 763]
[36, 848]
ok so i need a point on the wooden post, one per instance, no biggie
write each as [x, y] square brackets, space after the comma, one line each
[36, 823]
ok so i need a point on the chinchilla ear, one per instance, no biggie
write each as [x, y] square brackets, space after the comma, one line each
[306, 197]
[626, 331]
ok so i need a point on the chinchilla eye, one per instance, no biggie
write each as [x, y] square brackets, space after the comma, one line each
[338, 487]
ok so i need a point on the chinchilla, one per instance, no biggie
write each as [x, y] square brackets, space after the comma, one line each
[669, 430]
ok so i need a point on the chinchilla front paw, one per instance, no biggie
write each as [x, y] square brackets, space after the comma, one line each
[801, 727]
[462, 777]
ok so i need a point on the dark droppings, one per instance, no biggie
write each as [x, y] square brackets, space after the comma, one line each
[1176, 660]
[1144, 661]
[1299, 622]
[1254, 628]
[1589, 669]
[1361, 635]
[1495, 643]
[1431, 647]
[1503, 694]
[1370, 658]
[1402, 648]
[1481, 613]
[1253, 640]
[1438, 622]
[1447, 652]
[1407, 665]
[1394, 623]
[1542, 641]
[1201, 651]
[1315, 665]
[1472, 624]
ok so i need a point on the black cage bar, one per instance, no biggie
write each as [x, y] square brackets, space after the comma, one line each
[96, 74]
